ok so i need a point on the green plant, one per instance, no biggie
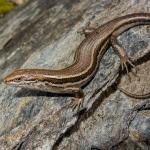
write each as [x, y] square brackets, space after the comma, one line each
[5, 6]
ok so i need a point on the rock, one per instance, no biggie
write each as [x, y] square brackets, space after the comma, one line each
[44, 34]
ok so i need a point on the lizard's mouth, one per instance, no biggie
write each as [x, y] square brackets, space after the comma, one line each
[12, 80]
[9, 82]
[6, 80]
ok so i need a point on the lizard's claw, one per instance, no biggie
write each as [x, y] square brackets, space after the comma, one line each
[125, 61]
[124, 64]
[76, 103]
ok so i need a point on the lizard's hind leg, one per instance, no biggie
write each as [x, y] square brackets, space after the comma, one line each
[124, 58]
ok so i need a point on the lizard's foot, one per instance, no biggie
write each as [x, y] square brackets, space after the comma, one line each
[76, 103]
[88, 29]
[78, 98]
[124, 61]
[124, 65]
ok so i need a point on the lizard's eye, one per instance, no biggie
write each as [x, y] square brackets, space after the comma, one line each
[18, 79]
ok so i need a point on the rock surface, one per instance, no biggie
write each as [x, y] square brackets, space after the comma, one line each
[44, 34]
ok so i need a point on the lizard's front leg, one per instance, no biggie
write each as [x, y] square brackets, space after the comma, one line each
[124, 58]
[78, 98]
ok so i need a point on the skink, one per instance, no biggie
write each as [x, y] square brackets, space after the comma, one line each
[86, 60]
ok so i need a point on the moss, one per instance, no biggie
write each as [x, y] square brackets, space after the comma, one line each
[5, 7]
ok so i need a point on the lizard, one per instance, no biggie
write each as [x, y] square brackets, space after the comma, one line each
[87, 57]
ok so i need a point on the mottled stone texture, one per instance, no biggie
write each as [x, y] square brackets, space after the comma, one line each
[45, 34]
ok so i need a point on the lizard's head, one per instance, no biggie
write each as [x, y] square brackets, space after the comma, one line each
[19, 77]
[32, 79]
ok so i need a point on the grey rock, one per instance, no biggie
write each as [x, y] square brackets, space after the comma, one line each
[44, 34]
